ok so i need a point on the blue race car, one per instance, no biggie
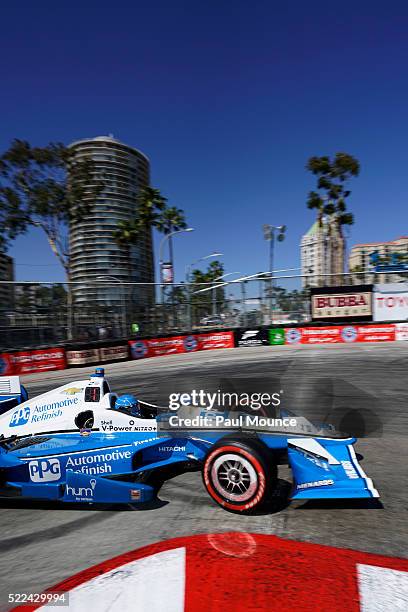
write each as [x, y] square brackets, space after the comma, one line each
[238, 464]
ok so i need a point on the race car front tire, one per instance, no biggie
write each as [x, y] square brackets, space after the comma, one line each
[237, 477]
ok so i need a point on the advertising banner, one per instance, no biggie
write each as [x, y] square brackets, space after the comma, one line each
[155, 347]
[401, 331]
[48, 359]
[215, 340]
[277, 336]
[21, 362]
[114, 353]
[390, 302]
[341, 305]
[340, 334]
[82, 357]
[313, 335]
[167, 273]
[6, 365]
[251, 337]
[375, 333]
[25, 362]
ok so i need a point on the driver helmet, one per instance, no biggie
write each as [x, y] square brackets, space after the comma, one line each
[128, 403]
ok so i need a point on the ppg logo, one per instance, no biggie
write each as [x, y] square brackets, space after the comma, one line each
[44, 470]
[20, 417]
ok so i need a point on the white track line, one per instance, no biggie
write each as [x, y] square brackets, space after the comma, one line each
[382, 589]
[151, 584]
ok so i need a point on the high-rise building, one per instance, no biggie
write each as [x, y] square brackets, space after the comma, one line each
[6, 290]
[359, 260]
[322, 254]
[93, 251]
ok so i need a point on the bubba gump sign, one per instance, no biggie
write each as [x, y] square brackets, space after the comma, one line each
[336, 305]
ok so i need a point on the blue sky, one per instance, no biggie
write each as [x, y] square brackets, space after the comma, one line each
[228, 100]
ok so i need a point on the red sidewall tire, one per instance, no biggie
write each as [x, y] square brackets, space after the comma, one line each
[257, 463]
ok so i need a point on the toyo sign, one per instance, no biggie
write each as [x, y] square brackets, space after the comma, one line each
[390, 302]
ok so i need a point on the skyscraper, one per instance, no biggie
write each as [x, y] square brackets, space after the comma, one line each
[322, 255]
[93, 251]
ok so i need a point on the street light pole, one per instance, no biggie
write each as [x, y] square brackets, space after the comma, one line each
[244, 318]
[162, 243]
[269, 234]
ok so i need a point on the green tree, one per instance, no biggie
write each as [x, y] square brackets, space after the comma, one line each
[152, 212]
[178, 295]
[329, 200]
[50, 297]
[291, 301]
[48, 188]
[150, 205]
[202, 301]
[331, 195]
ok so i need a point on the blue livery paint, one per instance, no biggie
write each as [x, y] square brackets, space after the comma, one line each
[118, 462]
[107, 468]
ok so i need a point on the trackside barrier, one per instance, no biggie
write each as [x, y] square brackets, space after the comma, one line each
[340, 334]
[87, 354]
[330, 334]
[155, 347]
[401, 331]
[27, 362]
[58, 358]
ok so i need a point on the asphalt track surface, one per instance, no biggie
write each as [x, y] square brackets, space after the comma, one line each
[363, 389]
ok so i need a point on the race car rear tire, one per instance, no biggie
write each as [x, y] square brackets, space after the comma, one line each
[237, 477]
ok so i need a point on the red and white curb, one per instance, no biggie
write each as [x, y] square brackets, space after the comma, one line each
[234, 572]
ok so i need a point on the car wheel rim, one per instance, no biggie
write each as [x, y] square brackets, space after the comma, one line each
[234, 477]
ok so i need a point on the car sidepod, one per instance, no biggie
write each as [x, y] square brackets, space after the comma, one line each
[97, 468]
[86, 489]
[327, 469]
[86, 475]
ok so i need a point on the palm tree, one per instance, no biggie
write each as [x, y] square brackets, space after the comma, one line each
[330, 199]
[152, 212]
[150, 205]
[127, 232]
